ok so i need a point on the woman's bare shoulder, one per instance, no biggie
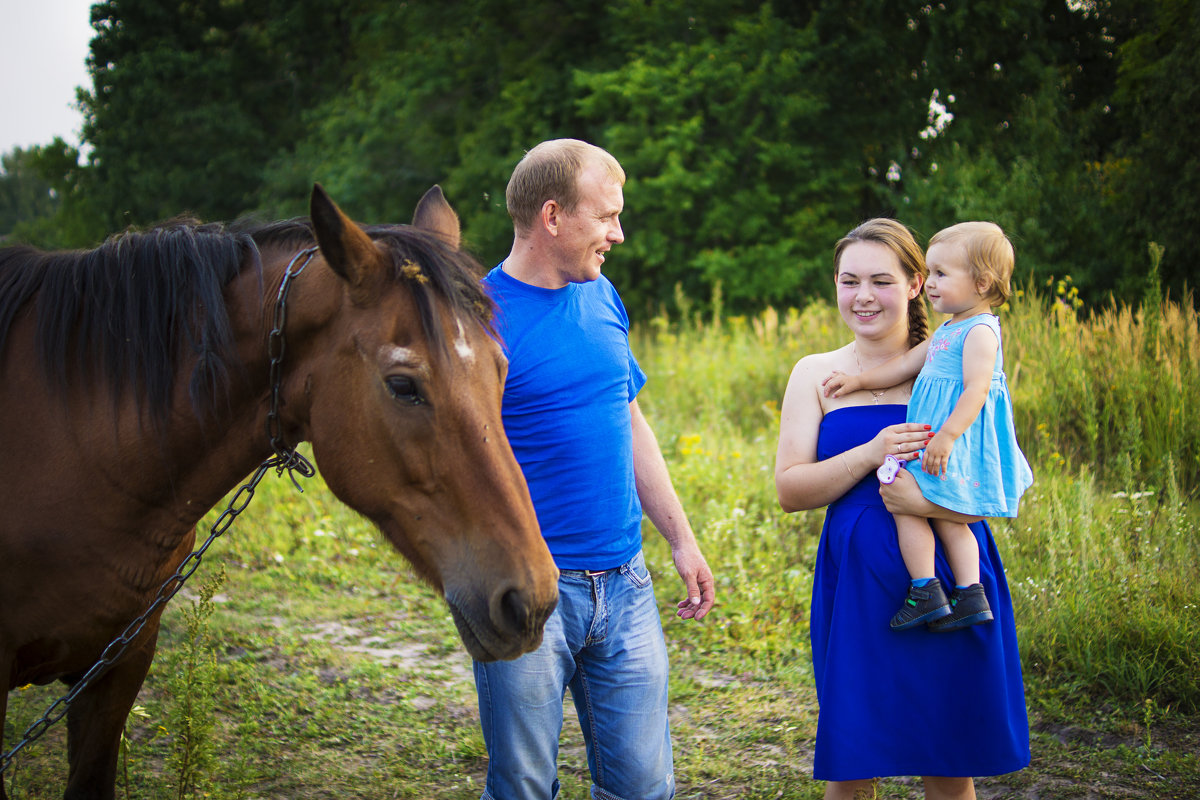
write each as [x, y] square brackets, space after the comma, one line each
[823, 363]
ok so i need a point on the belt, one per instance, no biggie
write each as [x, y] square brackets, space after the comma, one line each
[588, 573]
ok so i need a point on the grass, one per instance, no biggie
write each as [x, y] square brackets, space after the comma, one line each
[335, 674]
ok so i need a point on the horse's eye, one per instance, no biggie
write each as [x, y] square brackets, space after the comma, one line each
[405, 390]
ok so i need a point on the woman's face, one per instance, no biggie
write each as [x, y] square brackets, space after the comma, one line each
[873, 291]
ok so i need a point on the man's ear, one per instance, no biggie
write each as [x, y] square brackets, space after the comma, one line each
[550, 216]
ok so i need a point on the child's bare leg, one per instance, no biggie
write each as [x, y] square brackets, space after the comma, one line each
[916, 545]
[962, 551]
[926, 600]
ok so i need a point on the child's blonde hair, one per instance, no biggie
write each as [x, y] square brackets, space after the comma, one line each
[990, 256]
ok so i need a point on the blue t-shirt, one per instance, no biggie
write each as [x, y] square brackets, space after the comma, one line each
[571, 378]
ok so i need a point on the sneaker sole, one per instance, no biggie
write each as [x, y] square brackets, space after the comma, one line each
[965, 622]
[928, 617]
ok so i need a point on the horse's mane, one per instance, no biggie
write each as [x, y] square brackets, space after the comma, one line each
[125, 313]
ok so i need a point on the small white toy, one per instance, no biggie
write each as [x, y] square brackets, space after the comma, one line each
[889, 470]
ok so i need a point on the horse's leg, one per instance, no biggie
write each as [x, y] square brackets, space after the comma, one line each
[97, 718]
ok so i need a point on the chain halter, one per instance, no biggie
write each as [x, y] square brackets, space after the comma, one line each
[285, 458]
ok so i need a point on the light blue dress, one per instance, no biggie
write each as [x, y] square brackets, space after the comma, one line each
[987, 473]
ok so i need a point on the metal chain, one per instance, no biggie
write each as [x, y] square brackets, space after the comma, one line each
[285, 458]
[276, 345]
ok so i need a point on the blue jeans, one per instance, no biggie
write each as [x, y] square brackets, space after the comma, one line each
[605, 642]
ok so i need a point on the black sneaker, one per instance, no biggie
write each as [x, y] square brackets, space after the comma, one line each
[923, 604]
[969, 607]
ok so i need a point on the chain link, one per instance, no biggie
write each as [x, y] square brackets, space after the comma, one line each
[285, 459]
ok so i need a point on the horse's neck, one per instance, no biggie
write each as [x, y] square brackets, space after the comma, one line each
[203, 458]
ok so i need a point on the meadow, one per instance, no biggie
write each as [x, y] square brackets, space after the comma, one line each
[305, 661]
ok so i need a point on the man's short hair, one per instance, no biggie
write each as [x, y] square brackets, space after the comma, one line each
[550, 171]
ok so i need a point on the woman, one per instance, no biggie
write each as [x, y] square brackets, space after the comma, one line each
[946, 706]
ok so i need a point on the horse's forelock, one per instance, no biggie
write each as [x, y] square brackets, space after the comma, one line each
[433, 270]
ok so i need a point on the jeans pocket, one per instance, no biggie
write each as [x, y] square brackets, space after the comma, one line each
[637, 573]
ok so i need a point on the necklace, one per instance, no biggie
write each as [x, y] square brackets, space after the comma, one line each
[874, 394]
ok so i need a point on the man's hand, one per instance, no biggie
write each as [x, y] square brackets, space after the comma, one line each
[698, 578]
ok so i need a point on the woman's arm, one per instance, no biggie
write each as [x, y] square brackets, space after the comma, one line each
[903, 496]
[801, 481]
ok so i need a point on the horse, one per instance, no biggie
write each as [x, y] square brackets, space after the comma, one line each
[141, 380]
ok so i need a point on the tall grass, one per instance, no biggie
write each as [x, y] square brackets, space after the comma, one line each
[1115, 390]
[1104, 560]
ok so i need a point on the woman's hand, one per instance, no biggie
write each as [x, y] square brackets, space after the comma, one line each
[904, 441]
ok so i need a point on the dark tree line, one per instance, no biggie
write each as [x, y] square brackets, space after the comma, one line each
[754, 133]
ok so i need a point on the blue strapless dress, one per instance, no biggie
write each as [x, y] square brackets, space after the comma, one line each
[909, 702]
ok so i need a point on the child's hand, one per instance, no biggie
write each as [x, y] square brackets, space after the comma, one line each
[839, 383]
[936, 457]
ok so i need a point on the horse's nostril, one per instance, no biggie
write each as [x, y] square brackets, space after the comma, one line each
[514, 612]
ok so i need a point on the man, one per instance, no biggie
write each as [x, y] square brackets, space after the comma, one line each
[592, 464]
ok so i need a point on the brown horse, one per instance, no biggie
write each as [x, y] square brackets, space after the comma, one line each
[136, 391]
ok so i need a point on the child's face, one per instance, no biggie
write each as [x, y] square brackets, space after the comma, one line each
[951, 287]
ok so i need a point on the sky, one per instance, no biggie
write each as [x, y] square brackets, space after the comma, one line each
[43, 45]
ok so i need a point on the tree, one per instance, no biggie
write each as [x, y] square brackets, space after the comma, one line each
[731, 179]
[191, 97]
[43, 198]
[24, 193]
[444, 93]
[1157, 98]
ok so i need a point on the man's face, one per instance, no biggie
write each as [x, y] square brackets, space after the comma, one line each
[586, 234]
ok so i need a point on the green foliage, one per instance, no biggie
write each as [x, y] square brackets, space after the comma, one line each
[24, 193]
[1109, 393]
[190, 671]
[1105, 587]
[1060, 215]
[735, 166]
[1157, 97]
[44, 198]
[754, 133]
[190, 99]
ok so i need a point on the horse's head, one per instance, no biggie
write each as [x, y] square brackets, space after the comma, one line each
[401, 386]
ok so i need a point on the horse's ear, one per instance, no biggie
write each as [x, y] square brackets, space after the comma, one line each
[346, 247]
[435, 215]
